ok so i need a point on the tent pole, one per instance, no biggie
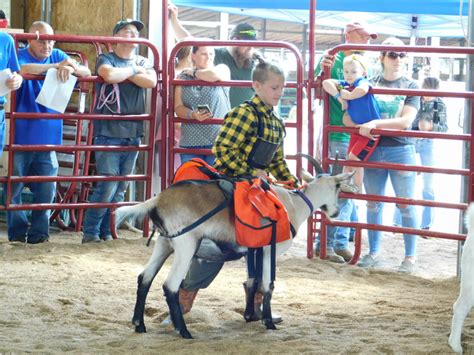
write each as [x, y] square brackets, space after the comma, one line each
[304, 44]
[467, 189]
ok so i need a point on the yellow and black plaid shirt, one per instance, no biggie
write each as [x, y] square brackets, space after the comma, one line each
[239, 133]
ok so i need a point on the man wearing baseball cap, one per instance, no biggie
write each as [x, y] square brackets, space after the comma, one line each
[357, 29]
[240, 60]
[126, 77]
[338, 237]
[244, 32]
[122, 23]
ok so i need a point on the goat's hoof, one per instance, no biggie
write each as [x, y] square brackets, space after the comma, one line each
[140, 328]
[269, 324]
[185, 334]
[455, 345]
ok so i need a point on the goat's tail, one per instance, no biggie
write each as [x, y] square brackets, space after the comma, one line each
[469, 219]
[135, 211]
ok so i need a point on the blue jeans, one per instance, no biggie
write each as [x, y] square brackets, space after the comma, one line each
[32, 164]
[2, 130]
[338, 237]
[117, 163]
[424, 147]
[207, 158]
[403, 183]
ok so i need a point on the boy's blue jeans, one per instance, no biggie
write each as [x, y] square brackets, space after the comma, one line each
[117, 163]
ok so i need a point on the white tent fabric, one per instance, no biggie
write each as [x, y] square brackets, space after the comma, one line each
[440, 18]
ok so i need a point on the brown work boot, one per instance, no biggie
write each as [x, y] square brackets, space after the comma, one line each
[258, 305]
[345, 253]
[332, 256]
[186, 299]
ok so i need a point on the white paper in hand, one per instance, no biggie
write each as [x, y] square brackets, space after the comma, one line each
[55, 94]
[4, 75]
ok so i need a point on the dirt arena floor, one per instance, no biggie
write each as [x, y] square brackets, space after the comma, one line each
[64, 297]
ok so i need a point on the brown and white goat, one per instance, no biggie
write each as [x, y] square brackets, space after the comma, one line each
[179, 206]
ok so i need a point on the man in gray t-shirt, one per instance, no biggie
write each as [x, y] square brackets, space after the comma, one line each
[126, 77]
[131, 97]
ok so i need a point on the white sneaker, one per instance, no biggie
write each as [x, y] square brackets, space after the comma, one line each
[368, 261]
[408, 267]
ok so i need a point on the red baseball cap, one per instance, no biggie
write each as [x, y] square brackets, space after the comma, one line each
[356, 26]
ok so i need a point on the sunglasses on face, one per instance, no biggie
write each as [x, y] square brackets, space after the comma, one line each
[395, 55]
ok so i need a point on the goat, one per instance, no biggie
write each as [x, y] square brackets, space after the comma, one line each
[465, 301]
[181, 205]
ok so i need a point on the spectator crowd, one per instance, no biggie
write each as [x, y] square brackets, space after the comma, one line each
[235, 147]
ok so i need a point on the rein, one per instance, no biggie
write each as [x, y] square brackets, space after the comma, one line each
[305, 199]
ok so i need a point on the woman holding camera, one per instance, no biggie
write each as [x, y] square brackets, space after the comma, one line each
[200, 103]
[397, 112]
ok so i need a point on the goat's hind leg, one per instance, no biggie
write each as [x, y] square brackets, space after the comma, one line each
[160, 253]
[185, 247]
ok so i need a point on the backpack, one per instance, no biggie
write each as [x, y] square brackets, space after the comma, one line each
[260, 216]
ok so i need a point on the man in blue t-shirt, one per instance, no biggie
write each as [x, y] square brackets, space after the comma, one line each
[36, 59]
[8, 60]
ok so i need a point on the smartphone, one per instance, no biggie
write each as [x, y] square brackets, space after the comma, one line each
[204, 109]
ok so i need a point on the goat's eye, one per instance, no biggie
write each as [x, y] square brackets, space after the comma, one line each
[338, 186]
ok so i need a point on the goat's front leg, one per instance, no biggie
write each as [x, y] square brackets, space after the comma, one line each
[461, 308]
[160, 253]
[251, 288]
[267, 284]
[267, 318]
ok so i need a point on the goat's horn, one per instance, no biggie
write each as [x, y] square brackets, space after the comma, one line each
[314, 162]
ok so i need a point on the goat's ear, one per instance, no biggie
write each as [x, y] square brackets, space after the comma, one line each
[307, 177]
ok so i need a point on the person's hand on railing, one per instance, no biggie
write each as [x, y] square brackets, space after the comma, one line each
[328, 61]
[66, 68]
[366, 128]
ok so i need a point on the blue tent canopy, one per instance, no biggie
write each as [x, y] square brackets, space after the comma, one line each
[434, 17]
[431, 7]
